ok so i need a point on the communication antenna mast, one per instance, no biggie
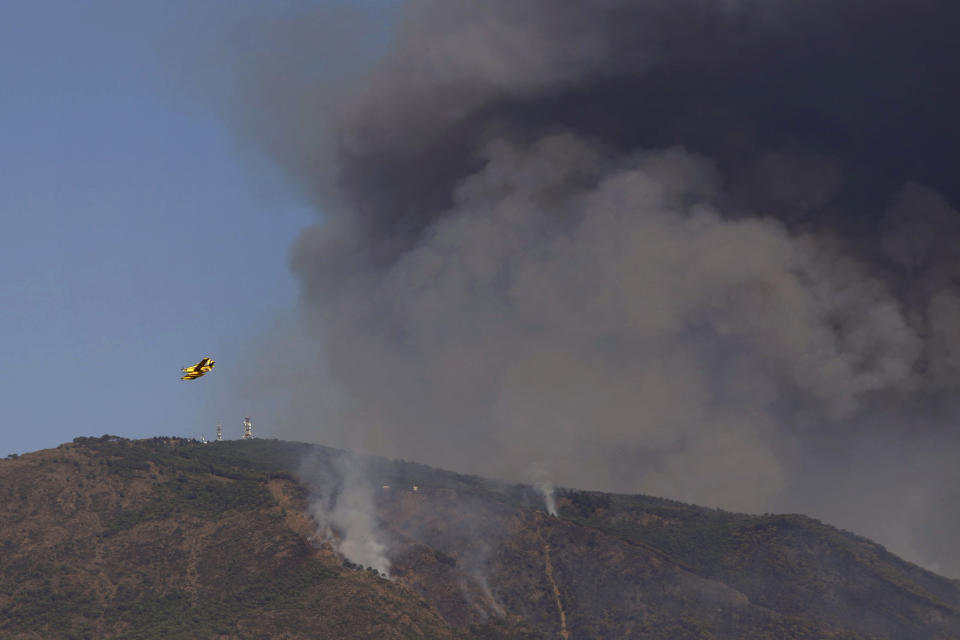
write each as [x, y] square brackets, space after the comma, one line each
[219, 432]
[203, 439]
[247, 429]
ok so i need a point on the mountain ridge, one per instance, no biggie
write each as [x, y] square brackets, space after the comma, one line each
[166, 537]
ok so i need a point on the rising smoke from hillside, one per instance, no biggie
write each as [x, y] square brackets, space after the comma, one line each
[699, 249]
[342, 505]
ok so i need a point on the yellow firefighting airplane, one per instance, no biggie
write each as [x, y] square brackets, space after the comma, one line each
[195, 371]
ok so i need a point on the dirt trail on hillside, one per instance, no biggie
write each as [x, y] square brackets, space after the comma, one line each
[556, 590]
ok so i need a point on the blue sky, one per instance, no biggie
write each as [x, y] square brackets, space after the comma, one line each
[136, 234]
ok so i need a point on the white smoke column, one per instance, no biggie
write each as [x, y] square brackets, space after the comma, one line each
[490, 604]
[543, 484]
[344, 510]
[551, 503]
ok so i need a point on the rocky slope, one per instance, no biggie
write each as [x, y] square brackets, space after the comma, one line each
[166, 538]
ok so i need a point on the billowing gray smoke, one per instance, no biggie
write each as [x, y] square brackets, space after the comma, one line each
[704, 249]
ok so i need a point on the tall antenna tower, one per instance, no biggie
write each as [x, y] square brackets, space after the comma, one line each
[247, 429]
[219, 432]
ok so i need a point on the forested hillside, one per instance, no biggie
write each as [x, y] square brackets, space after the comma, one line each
[170, 538]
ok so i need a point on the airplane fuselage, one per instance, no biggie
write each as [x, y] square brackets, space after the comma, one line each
[195, 371]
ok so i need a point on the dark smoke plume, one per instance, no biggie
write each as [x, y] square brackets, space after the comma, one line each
[704, 249]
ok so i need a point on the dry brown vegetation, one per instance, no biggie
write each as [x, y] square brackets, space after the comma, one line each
[167, 538]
